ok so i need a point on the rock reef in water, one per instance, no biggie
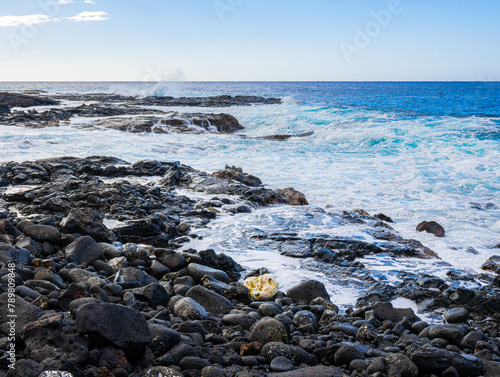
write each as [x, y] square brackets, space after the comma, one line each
[132, 114]
[22, 100]
[138, 111]
[237, 174]
[431, 227]
[208, 101]
[174, 123]
[148, 212]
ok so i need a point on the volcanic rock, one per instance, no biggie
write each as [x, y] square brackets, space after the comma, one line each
[431, 227]
[307, 291]
[114, 324]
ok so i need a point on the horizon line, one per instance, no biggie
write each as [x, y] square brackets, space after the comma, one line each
[247, 81]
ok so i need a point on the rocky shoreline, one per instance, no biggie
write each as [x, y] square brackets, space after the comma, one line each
[129, 114]
[144, 114]
[96, 251]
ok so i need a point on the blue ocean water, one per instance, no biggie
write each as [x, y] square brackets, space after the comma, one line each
[412, 150]
[457, 99]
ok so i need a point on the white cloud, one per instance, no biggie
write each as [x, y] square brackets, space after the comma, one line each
[89, 2]
[88, 16]
[32, 19]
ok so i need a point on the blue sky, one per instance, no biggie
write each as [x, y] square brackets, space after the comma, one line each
[249, 40]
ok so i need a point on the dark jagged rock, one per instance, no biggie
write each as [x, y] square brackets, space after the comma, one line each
[10, 254]
[431, 227]
[233, 173]
[137, 230]
[108, 110]
[191, 179]
[86, 221]
[36, 119]
[131, 277]
[214, 101]
[208, 101]
[155, 294]
[293, 197]
[221, 262]
[73, 292]
[174, 123]
[22, 100]
[383, 217]
[336, 249]
[113, 324]
[492, 264]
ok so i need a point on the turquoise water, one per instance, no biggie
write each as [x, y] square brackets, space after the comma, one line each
[414, 151]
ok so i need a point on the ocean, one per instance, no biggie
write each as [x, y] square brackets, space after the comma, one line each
[414, 151]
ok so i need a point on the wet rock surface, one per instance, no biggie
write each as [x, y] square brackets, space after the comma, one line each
[130, 114]
[23, 100]
[107, 285]
[431, 227]
[173, 123]
[209, 101]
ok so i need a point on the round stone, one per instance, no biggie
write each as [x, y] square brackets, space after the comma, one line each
[281, 364]
[269, 330]
[346, 354]
[189, 309]
[456, 315]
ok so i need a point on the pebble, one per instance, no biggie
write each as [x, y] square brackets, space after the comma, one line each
[456, 315]
[281, 364]
[188, 309]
